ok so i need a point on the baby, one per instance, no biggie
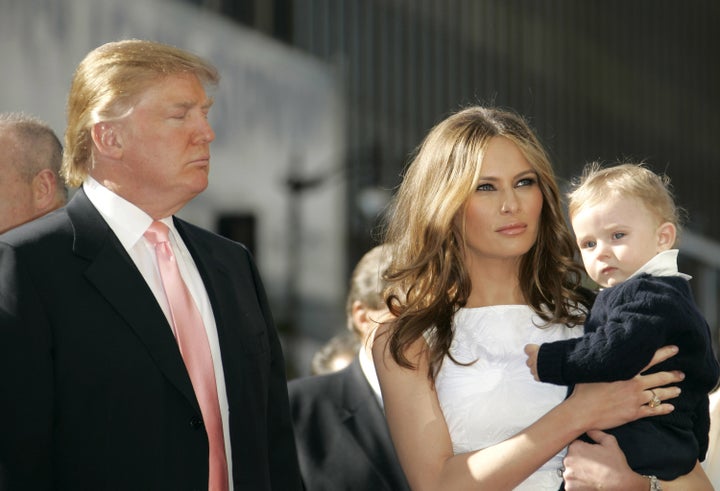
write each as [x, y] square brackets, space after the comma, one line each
[626, 222]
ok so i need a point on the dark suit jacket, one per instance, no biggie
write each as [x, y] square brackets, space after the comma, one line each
[342, 437]
[94, 394]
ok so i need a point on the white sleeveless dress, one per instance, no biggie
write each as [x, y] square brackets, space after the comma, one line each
[496, 397]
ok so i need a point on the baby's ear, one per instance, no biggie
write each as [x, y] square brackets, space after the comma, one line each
[666, 234]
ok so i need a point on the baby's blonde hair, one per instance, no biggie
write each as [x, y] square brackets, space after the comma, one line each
[635, 180]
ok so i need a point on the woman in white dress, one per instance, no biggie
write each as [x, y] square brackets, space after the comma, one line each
[484, 261]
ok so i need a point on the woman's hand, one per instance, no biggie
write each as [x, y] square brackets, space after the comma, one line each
[606, 405]
[600, 466]
[603, 466]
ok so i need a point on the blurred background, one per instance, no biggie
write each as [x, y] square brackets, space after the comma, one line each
[322, 102]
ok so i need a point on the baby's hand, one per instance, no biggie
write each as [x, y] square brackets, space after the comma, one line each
[531, 350]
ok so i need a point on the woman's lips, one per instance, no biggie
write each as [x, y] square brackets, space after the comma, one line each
[512, 229]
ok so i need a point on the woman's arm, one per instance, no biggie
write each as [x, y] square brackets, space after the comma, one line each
[603, 466]
[422, 440]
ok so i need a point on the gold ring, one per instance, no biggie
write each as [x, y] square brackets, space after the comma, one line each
[655, 401]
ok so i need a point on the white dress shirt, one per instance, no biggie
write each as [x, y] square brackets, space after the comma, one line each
[368, 369]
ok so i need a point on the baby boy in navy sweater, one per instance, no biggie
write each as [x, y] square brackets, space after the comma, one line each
[626, 222]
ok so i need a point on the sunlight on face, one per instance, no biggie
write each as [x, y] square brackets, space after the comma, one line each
[502, 216]
[616, 237]
[166, 143]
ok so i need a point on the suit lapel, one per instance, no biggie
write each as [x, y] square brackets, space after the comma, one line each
[117, 279]
[366, 422]
[217, 282]
[228, 308]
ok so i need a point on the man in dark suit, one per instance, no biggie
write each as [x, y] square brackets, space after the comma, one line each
[342, 436]
[96, 390]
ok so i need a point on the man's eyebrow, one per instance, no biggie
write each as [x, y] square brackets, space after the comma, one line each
[189, 104]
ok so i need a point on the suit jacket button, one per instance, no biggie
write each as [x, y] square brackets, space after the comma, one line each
[196, 423]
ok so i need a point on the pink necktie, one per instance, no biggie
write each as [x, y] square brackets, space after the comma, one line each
[195, 349]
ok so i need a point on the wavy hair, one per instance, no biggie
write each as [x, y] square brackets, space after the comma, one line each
[427, 244]
[106, 84]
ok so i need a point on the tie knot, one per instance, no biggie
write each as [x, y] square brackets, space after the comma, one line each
[157, 233]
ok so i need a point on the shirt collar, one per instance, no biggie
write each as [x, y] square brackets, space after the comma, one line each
[662, 264]
[126, 220]
[368, 368]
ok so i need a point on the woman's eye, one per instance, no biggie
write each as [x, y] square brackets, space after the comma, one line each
[485, 187]
[527, 181]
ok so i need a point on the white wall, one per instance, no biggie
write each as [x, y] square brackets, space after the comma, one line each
[274, 104]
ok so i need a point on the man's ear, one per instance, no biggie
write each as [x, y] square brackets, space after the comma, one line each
[360, 318]
[44, 189]
[666, 234]
[107, 139]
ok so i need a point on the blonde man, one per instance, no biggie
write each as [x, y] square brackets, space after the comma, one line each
[100, 387]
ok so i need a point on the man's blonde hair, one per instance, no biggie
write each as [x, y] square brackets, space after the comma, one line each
[108, 82]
